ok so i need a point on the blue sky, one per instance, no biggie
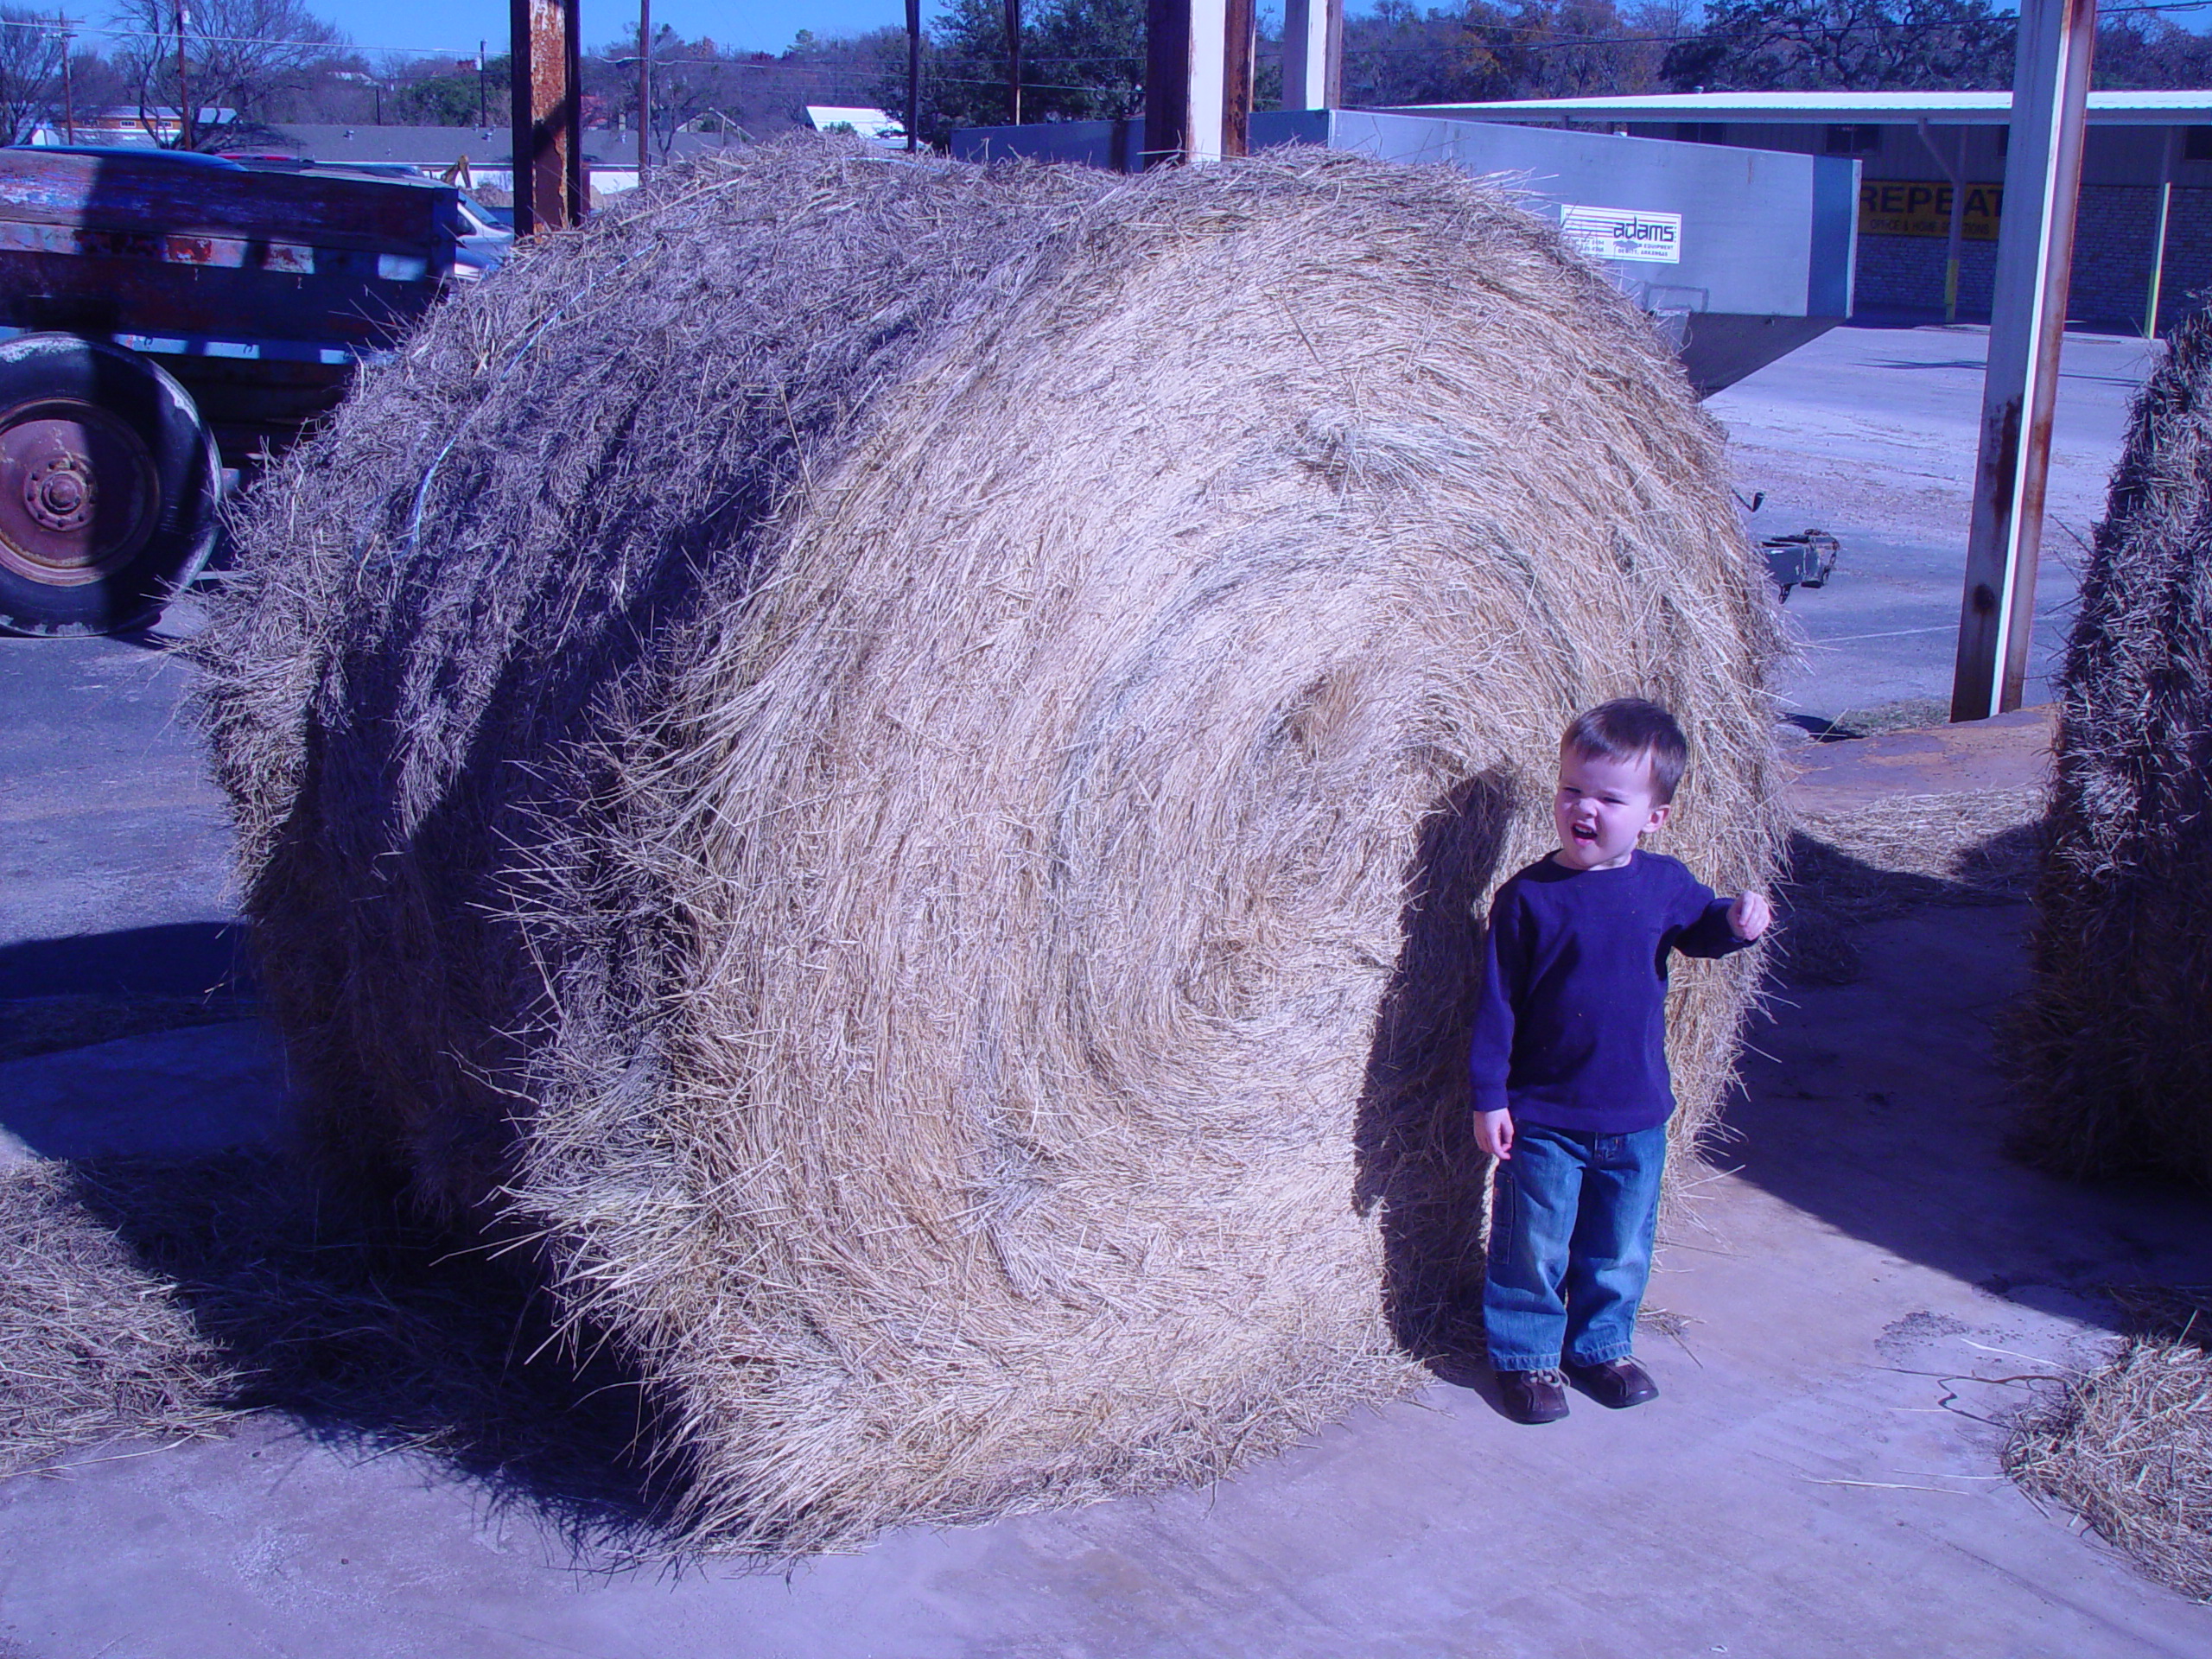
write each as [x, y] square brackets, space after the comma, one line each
[459, 24]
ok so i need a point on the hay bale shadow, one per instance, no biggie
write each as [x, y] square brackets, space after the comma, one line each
[372, 1341]
[1414, 1134]
[1846, 871]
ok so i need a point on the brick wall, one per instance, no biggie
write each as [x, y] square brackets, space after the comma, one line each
[2111, 261]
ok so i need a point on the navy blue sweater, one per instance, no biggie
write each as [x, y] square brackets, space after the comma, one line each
[1570, 1029]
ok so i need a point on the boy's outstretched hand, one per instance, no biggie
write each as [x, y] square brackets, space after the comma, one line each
[1749, 915]
[1494, 1133]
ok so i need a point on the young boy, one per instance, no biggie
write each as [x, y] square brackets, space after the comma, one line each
[1569, 1062]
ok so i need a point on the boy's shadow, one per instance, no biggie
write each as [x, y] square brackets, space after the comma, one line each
[1414, 1136]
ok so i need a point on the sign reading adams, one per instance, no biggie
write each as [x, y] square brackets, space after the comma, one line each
[1919, 207]
[1623, 233]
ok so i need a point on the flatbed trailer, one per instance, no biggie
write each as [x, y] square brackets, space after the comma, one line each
[172, 323]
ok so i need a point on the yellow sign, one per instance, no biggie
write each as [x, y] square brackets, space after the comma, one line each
[1920, 207]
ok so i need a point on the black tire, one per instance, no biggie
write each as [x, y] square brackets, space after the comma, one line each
[109, 483]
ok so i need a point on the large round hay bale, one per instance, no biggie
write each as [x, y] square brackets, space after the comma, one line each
[892, 763]
[2118, 1050]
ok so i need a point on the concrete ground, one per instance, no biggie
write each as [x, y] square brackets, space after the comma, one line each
[1870, 433]
[1868, 1289]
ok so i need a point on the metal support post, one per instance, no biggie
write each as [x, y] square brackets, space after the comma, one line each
[1313, 54]
[2035, 253]
[548, 115]
[2173, 137]
[1183, 106]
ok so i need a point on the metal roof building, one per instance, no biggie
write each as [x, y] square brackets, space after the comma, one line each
[2148, 162]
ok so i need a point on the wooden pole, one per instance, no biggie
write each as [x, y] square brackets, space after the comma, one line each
[913, 75]
[184, 111]
[2035, 255]
[1239, 42]
[1014, 60]
[2159, 236]
[645, 88]
[68, 91]
[546, 116]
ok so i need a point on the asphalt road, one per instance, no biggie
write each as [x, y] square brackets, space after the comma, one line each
[1871, 434]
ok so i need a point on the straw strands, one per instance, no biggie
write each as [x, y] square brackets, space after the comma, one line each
[2128, 1446]
[888, 767]
[2118, 1049]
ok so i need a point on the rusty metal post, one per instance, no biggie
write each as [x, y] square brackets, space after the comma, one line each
[548, 115]
[2034, 256]
[1239, 42]
[1185, 49]
[1313, 54]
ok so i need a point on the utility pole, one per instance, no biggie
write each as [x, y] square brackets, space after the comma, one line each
[1013, 60]
[184, 111]
[645, 88]
[913, 75]
[68, 91]
[547, 115]
[482, 118]
[2034, 256]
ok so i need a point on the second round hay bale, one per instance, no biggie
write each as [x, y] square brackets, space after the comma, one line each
[891, 765]
[2118, 1024]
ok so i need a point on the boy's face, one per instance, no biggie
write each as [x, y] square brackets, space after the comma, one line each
[1602, 807]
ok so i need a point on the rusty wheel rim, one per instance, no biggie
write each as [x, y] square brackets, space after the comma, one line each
[78, 494]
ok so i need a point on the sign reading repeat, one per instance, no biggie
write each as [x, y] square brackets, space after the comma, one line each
[1623, 233]
[1917, 207]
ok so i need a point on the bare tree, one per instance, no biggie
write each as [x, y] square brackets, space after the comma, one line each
[30, 71]
[236, 57]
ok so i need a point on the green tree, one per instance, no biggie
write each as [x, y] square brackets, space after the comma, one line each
[1846, 45]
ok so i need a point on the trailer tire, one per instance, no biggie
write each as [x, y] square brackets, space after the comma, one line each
[109, 485]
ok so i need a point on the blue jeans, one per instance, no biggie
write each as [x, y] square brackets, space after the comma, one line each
[1570, 1246]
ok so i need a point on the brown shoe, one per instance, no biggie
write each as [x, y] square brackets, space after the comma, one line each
[1532, 1396]
[1618, 1383]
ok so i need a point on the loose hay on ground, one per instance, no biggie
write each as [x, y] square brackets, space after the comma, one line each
[1848, 868]
[2129, 1447]
[890, 766]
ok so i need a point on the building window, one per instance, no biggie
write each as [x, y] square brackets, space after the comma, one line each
[2196, 144]
[1700, 132]
[1854, 140]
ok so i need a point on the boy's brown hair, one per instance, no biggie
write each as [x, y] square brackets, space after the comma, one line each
[1627, 728]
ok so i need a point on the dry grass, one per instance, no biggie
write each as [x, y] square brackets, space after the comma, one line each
[890, 767]
[1849, 868]
[2129, 1447]
[2117, 1049]
[174, 1297]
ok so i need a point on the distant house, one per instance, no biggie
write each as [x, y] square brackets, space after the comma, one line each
[874, 125]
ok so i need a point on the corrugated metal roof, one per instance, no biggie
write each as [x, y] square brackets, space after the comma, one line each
[1789, 108]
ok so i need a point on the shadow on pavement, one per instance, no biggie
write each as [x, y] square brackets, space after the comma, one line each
[381, 1338]
[1878, 1101]
[201, 959]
